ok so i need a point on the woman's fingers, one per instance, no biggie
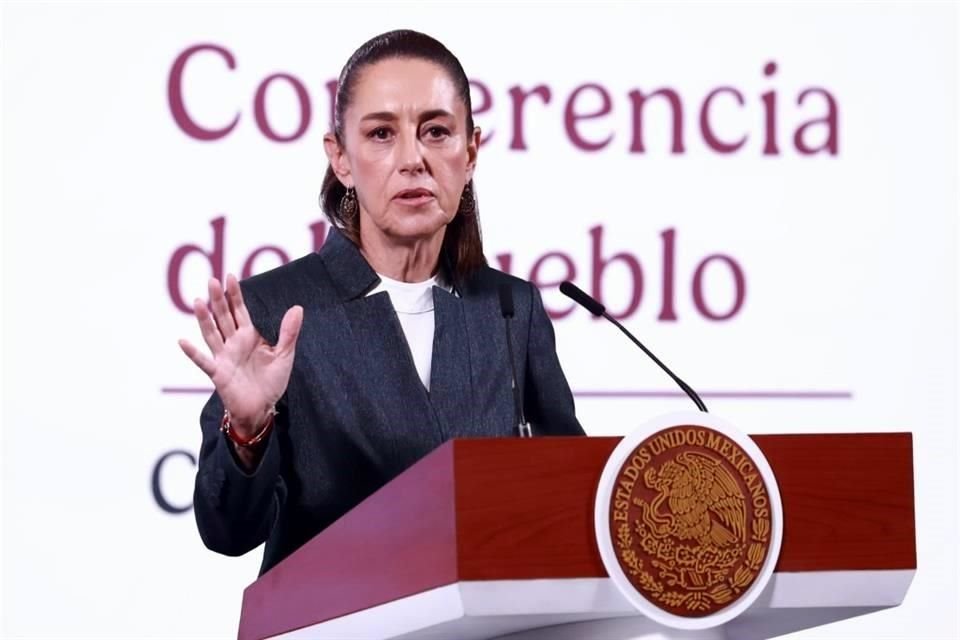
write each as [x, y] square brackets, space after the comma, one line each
[221, 312]
[198, 357]
[208, 328]
[235, 300]
[290, 329]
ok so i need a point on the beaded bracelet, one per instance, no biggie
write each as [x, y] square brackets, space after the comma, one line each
[227, 429]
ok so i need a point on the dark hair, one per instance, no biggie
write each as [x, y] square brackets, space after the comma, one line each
[462, 251]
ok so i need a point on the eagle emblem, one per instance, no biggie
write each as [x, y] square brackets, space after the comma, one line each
[703, 500]
[690, 521]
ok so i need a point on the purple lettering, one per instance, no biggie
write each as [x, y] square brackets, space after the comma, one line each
[571, 117]
[667, 312]
[214, 257]
[830, 120]
[260, 109]
[709, 136]
[600, 265]
[175, 95]
[519, 98]
[638, 100]
[505, 262]
[738, 283]
[770, 114]
[485, 105]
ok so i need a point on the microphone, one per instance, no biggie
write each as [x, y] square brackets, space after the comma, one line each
[573, 292]
[506, 310]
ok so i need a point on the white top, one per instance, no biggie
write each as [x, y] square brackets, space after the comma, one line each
[413, 302]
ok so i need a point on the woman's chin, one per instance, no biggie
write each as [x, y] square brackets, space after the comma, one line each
[417, 225]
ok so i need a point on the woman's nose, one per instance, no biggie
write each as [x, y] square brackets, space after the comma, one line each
[410, 154]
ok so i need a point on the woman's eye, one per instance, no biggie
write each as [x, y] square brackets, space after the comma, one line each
[437, 132]
[380, 133]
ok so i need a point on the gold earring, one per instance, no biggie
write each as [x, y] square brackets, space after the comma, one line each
[348, 204]
[468, 202]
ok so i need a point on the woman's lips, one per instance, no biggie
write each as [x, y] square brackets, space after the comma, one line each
[414, 197]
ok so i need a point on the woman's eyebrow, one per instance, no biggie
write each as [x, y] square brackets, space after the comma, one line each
[389, 116]
[435, 113]
[380, 115]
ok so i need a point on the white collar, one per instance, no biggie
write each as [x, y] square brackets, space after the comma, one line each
[409, 297]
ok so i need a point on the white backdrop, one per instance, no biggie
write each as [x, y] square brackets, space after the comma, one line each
[848, 317]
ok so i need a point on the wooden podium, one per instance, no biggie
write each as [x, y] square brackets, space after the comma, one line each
[488, 537]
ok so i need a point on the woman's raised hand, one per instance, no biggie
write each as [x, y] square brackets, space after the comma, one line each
[248, 373]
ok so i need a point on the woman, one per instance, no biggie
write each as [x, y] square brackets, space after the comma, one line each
[388, 341]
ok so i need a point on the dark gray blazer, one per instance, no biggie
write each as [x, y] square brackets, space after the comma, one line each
[355, 413]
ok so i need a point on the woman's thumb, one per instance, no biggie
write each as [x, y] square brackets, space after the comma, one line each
[290, 328]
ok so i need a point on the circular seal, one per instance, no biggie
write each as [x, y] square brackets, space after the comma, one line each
[689, 520]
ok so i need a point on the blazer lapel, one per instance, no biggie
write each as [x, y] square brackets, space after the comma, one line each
[346, 267]
[390, 380]
[451, 375]
[407, 420]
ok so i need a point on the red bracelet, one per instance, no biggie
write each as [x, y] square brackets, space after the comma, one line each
[227, 429]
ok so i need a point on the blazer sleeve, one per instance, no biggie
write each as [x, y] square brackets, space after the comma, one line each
[548, 401]
[236, 510]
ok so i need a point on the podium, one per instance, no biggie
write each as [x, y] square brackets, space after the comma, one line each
[485, 538]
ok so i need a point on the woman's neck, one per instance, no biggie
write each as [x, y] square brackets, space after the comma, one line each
[412, 260]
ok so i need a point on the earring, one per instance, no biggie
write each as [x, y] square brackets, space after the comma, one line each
[348, 204]
[468, 202]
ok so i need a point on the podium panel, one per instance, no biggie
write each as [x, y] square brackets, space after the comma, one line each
[488, 537]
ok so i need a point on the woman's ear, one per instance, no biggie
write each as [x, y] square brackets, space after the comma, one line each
[338, 159]
[473, 146]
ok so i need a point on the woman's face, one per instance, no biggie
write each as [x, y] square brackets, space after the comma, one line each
[405, 149]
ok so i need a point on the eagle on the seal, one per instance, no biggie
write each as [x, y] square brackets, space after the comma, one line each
[696, 485]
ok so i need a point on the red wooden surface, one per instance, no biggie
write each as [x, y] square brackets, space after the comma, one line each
[525, 508]
[498, 509]
[400, 540]
[847, 500]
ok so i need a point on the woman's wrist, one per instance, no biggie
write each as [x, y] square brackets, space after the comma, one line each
[247, 426]
[247, 432]
[248, 457]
